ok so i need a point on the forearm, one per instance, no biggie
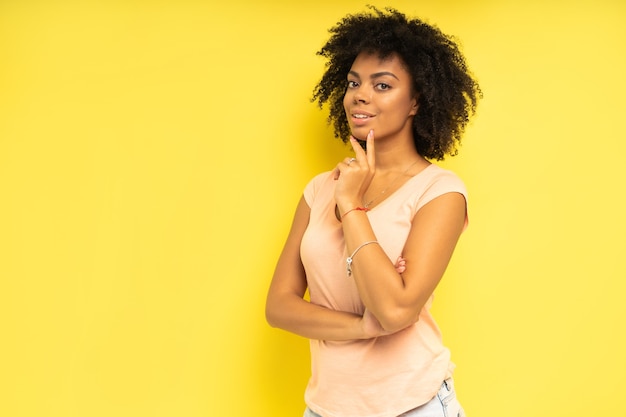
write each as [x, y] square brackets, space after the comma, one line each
[296, 315]
[380, 286]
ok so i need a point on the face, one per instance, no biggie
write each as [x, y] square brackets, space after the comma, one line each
[379, 96]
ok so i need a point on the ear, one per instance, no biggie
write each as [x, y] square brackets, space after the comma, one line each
[414, 106]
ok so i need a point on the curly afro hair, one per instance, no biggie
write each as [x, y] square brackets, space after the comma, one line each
[447, 91]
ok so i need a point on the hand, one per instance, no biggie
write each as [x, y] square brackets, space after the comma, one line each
[354, 175]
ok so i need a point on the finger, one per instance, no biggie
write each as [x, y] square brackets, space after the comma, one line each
[336, 173]
[358, 150]
[400, 265]
[371, 155]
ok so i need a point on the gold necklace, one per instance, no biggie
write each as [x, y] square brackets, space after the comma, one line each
[367, 205]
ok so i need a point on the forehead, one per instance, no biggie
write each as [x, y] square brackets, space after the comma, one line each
[373, 62]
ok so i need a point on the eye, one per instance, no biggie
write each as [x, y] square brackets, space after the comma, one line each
[352, 84]
[383, 86]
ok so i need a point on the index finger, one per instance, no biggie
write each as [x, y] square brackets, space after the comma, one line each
[371, 155]
[360, 154]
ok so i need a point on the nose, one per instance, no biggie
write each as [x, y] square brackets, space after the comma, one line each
[360, 96]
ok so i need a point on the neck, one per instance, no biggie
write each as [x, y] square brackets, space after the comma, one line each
[396, 157]
[394, 165]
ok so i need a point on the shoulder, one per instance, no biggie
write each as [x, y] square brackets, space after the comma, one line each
[315, 185]
[435, 173]
[433, 182]
[436, 180]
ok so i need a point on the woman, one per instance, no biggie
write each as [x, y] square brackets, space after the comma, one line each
[371, 239]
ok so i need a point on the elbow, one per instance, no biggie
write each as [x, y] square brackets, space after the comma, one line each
[275, 313]
[398, 320]
[270, 316]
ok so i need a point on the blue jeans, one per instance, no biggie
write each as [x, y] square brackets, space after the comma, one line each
[444, 404]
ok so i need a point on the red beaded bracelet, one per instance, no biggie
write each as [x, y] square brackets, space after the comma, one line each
[356, 208]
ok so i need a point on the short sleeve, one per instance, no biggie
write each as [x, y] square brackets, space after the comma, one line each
[442, 182]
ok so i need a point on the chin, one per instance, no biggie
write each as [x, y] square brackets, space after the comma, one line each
[360, 133]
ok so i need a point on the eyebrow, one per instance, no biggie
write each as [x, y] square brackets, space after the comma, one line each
[375, 75]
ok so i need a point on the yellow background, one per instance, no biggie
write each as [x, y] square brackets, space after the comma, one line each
[151, 156]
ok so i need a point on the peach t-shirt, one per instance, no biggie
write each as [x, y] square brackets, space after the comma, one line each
[383, 376]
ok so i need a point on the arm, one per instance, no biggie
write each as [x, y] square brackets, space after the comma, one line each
[396, 298]
[286, 309]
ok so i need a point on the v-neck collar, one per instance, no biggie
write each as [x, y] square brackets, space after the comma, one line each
[406, 183]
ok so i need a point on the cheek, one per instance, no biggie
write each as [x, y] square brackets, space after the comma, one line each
[403, 106]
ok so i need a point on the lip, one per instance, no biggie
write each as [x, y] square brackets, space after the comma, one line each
[363, 112]
[360, 121]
